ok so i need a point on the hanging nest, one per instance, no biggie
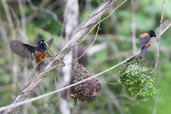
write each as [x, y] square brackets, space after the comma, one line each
[138, 80]
[87, 91]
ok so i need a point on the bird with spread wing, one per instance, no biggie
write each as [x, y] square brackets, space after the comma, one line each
[38, 52]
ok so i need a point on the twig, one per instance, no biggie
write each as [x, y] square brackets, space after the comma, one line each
[23, 20]
[133, 26]
[158, 50]
[158, 40]
[90, 46]
[165, 29]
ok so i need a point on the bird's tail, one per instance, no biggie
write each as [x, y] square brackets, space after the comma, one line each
[40, 66]
[143, 50]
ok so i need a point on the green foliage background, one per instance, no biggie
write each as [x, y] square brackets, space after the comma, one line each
[147, 16]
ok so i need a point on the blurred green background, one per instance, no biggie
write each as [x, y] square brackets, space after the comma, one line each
[115, 33]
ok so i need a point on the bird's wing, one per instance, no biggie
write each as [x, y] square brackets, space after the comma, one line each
[23, 50]
[49, 42]
[144, 40]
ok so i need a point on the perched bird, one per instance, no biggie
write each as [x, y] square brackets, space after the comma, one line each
[28, 51]
[144, 41]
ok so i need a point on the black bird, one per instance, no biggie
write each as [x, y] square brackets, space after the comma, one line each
[144, 41]
[28, 51]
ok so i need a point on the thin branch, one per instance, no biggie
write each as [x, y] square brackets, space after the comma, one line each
[92, 43]
[158, 40]
[133, 26]
[23, 20]
[166, 28]
[158, 51]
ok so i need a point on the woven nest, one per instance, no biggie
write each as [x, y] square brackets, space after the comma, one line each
[87, 91]
[138, 80]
